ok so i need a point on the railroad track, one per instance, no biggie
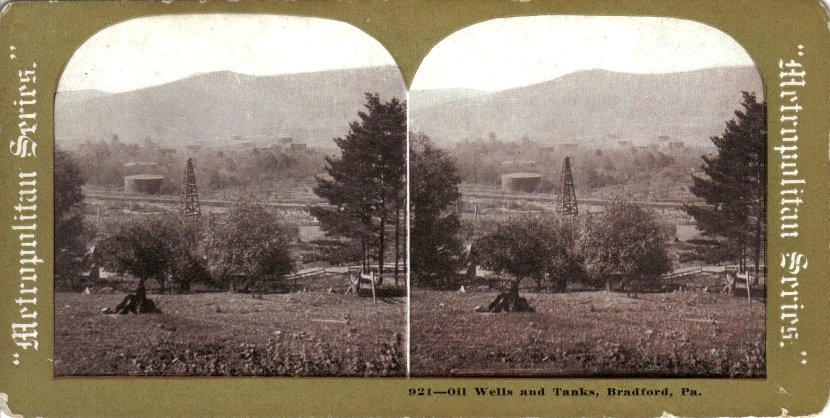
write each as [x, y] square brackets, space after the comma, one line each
[550, 199]
[174, 200]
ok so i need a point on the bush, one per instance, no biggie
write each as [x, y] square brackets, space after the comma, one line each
[624, 240]
[247, 241]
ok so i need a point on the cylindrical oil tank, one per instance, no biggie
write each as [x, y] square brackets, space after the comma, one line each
[143, 183]
[520, 182]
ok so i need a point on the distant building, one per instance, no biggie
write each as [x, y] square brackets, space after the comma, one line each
[285, 140]
[624, 143]
[568, 146]
[675, 144]
[546, 152]
[297, 146]
[663, 138]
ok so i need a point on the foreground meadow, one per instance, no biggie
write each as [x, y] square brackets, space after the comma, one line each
[688, 334]
[298, 334]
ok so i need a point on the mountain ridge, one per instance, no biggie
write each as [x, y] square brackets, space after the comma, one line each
[217, 105]
[594, 104]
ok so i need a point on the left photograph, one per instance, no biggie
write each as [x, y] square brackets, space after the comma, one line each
[230, 200]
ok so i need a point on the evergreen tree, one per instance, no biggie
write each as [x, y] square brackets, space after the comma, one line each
[435, 242]
[367, 181]
[70, 234]
[735, 187]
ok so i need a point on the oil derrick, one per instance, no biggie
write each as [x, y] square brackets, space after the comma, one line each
[566, 201]
[190, 209]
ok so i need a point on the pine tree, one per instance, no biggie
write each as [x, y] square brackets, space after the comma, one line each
[735, 186]
[70, 232]
[366, 183]
[435, 241]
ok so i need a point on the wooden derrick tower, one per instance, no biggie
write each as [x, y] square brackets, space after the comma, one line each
[566, 200]
[190, 209]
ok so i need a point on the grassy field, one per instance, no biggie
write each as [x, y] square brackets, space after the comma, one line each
[691, 334]
[297, 334]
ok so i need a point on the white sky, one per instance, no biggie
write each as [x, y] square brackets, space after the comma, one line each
[156, 50]
[511, 52]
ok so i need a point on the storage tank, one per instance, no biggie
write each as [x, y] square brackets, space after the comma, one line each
[140, 167]
[143, 183]
[520, 182]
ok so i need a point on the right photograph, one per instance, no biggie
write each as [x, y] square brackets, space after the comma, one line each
[588, 199]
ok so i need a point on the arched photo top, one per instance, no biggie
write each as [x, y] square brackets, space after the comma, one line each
[149, 51]
[208, 77]
[564, 79]
[510, 52]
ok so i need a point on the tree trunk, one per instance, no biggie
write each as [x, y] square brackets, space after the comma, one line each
[509, 301]
[382, 242]
[363, 261]
[397, 241]
[759, 241]
[539, 279]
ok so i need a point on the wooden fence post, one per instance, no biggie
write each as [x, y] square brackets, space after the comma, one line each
[373, 288]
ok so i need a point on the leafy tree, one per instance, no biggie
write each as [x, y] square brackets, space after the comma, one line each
[435, 243]
[625, 239]
[70, 234]
[541, 248]
[366, 183]
[147, 248]
[564, 262]
[519, 247]
[735, 186]
[249, 241]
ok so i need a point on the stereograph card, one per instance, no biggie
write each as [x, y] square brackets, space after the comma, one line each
[363, 208]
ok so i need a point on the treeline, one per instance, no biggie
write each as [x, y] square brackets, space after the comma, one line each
[105, 164]
[483, 161]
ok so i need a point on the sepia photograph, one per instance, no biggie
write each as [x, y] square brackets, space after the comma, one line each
[230, 199]
[588, 199]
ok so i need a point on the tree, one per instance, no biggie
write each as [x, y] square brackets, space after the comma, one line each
[367, 182]
[625, 240]
[249, 241]
[532, 247]
[735, 185]
[517, 247]
[564, 262]
[70, 234]
[435, 243]
[147, 248]
[521, 247]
